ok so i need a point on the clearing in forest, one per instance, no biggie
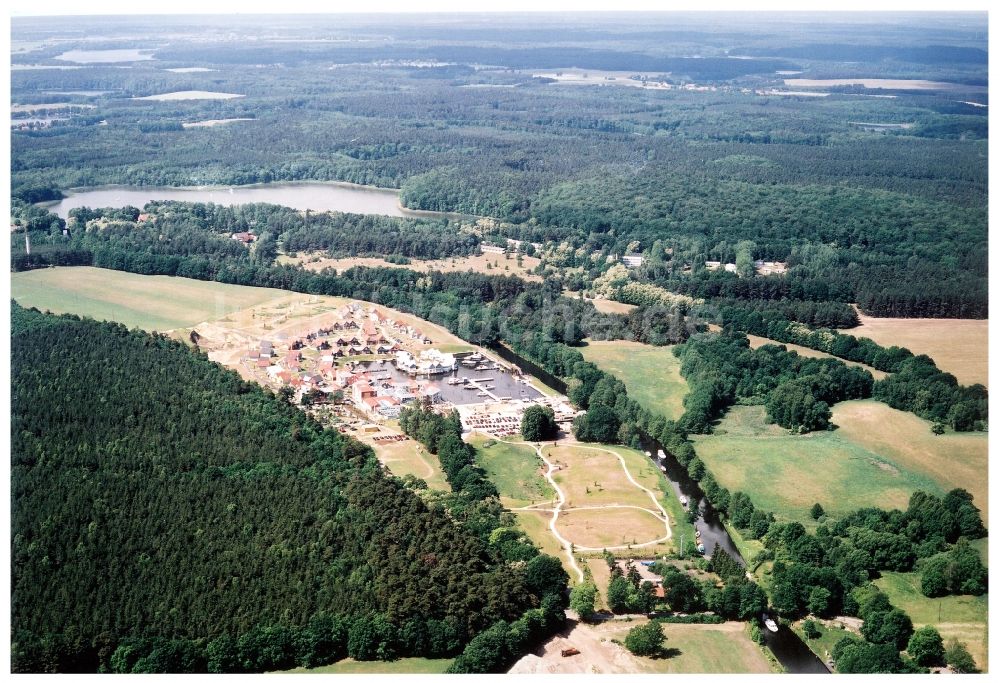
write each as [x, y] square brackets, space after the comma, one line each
[154, 303]
[407, 457]
[958, 346]
[785, 473]
[651, 373]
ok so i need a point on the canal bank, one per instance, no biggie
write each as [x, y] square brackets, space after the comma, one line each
[793, 655]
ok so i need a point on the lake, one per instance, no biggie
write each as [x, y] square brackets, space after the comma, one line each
[313, 196]
[190, 95]
[105, 56]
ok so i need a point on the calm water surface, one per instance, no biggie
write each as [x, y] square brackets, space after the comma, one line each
[300, 196]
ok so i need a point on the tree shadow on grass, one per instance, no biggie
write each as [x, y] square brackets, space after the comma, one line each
[666, 653]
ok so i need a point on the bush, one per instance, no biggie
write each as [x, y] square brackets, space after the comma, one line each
[926, 647]
[645, 640]
[810, 629]
[959, 659]
[582, 598]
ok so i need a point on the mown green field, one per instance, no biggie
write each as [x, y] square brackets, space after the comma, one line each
[650, 373]
[952, 460]
[786, 474]
[963, 617]
[709, 648]
[516, 471]
[150, 302]
[407, 665]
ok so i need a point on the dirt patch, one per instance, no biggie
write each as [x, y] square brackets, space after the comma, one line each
[498, 264]
[689, 648]
[597, 653]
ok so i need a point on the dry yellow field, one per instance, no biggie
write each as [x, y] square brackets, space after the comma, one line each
[499, 264]
[609, 527]
[536, 526]
[952, 460]
[591, 477]
[609, 306]
[957, 346]
[756, 342]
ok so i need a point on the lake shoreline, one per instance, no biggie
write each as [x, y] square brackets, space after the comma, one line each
[405, 212]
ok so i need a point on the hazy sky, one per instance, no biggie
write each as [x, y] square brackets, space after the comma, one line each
[71, 7]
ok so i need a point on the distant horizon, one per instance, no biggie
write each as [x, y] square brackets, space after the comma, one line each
[63, 8]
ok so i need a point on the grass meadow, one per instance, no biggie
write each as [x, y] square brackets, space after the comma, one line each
[407, 665]
[150, 302]
[962, 617]
[515, 470]
[786, 473]
[650, 373]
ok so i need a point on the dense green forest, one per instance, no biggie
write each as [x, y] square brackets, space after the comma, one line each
[168, 516]
[872, 196]
[135, 460]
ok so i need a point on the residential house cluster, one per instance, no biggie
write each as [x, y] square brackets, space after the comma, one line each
[309, 362]
[770, 267]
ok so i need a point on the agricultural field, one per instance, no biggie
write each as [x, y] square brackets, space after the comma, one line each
[689, 648]
[650, 373]
[804, 351]
[963, 617]
[487, 264]
[953, 460]
[150, 302]
[786, 473]
[957, 346]
[516, 471]
[407, 665]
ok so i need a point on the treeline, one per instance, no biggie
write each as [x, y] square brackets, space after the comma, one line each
[902, 257]
[751, 316]
[499, 646]
[829, 573]
[345, 234]
[915, 385]
[798, 392]
[193, 240]
[168, 516]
